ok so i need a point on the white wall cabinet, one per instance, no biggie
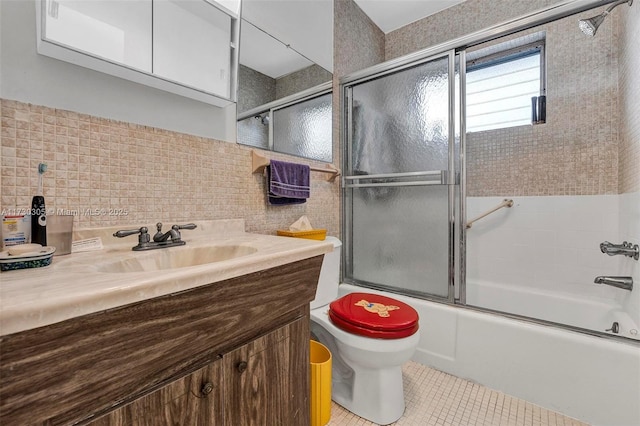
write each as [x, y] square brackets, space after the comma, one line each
[191, 44]
[187, 47]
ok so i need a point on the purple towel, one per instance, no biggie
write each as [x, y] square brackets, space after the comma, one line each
[288, 183]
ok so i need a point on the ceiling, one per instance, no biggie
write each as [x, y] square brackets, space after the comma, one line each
[306, 26]
[390, 15]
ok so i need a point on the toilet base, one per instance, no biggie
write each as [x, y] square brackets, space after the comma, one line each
[379, 404]
[366, 373]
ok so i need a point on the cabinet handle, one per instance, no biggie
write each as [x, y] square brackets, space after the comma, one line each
[242, 365]
[206, 388]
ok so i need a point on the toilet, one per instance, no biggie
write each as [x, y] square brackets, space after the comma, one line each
[370, 336]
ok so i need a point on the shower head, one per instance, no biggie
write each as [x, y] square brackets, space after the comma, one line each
[590, 26]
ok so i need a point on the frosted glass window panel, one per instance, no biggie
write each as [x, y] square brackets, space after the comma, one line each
[252, 131]
[400, 238]
[401, 121]
[305, 129]
[118, 31]
[192, 44]
[499, 95]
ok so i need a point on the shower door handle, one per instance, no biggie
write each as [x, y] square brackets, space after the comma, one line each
[436, 177]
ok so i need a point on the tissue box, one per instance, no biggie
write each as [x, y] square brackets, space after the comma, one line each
[314, 234]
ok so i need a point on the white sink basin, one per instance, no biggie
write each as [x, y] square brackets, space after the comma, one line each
[173, 258]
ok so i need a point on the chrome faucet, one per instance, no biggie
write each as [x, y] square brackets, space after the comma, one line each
[625, 283]
[171, 238]
[173, 233]
[625, 249]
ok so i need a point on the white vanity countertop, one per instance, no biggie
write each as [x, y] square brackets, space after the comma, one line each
[73, 286]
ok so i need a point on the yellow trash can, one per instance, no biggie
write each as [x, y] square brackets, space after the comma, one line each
[320, 384]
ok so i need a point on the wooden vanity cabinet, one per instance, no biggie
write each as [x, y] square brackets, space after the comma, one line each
[265, 380]
[235, 352]
[196, 399]
[257, 384]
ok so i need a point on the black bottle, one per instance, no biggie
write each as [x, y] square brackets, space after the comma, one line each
[38, 221]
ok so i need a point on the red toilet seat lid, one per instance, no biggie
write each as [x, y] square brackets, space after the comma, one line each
[373, 315]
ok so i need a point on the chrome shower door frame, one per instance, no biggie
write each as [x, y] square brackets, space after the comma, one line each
[441, 177]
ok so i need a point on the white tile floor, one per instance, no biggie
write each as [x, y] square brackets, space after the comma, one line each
[436, 398]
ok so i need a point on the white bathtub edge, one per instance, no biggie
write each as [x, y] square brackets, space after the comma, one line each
[591, 379]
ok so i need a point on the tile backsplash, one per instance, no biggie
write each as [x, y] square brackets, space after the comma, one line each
[110, 172]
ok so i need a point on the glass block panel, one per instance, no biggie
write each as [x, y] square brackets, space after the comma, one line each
[401, 121]
[399, 238]
[305, 129]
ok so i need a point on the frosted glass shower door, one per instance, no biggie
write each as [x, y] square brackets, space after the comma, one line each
[398, 186]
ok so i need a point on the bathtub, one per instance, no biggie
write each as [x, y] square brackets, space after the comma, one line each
[593, 379]
[569, 309]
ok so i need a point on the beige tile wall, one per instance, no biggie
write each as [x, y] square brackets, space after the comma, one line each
[358, 42]
[629, 152]
[102, 168]
[456, 21]
[577, 151]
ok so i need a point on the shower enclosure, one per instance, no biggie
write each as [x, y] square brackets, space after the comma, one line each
[414, 176]
[403, 178]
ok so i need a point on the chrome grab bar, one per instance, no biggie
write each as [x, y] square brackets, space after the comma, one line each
[505, 203]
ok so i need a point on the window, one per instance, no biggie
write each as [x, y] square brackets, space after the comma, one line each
[501, 84]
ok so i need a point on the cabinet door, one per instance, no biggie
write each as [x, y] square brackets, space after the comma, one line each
[192, 45]
[194, 400]
[267, 380]
[119, 32]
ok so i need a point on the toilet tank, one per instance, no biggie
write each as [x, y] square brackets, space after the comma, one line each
[329, 279]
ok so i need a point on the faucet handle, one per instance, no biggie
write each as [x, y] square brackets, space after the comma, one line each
[143, 239]
[176, 230]
[127, 232]
[185, 226]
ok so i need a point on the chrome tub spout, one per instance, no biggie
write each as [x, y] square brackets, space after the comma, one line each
[625, 283]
